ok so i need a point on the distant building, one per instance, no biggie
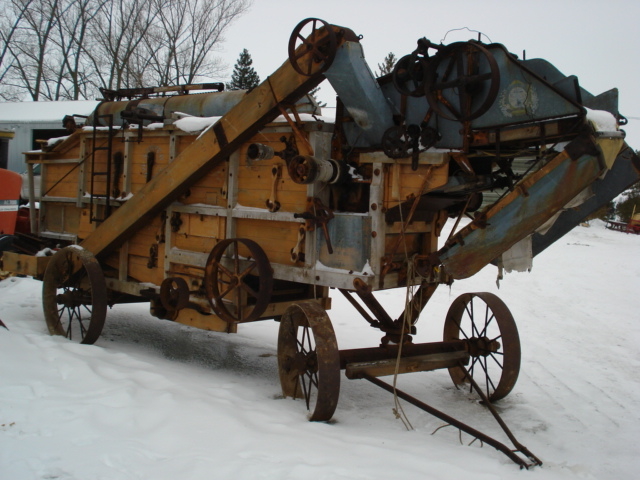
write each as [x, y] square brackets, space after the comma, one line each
[5, 136]
[32, 121]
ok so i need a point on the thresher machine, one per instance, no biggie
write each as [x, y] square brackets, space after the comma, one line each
[225, 208]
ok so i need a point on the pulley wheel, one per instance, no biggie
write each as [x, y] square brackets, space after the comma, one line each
[238, 280]
[409, 75]
[396, 142]
[313, 41]
[486, 325]
[74, 295]
[463, 81]
[174, 294]
[309, 360]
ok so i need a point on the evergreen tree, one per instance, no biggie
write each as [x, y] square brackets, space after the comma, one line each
[387, 65]
[630, 201]
[244, 77]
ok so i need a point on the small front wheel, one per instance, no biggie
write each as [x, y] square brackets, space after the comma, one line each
[74, 295]
[487, 327]
[309, 360]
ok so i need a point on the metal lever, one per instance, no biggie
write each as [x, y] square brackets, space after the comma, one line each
[273, 205]
[317, 215]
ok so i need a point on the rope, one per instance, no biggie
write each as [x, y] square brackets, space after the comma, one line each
[398, 411]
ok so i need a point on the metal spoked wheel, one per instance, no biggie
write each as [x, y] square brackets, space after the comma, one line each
[74, 295]
[314, 36]
[238, 280]
[463, 81]
[308, 359]
[485, 323]
[409, 75]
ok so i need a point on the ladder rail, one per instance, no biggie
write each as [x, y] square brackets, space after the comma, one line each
[93, 197]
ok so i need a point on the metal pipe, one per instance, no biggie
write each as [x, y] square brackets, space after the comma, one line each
[451, 421]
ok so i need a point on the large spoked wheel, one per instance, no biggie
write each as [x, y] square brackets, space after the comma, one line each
[308, 359]
[462, 81]
[238, 280]
[485, 323]
[74, 295]
[313, 41]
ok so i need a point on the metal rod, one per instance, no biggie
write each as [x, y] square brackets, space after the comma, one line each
[418, 302]
[452, 421]
[503, 425]
[358, 307]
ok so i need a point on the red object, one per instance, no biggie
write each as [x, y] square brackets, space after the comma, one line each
[10, 183]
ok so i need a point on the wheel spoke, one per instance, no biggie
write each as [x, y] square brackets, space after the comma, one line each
[74, 295]
[236, 257]
[247, 270]
[249, 290]
[226, 291]
[493, 356]
[308, 358]
[222, 281]
[494, 335]
[225, 271]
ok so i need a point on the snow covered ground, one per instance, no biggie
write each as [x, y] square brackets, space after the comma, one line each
[156, 400]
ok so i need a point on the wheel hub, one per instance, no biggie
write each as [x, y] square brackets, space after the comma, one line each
[70, 299]
[482, 346]
[302, 363]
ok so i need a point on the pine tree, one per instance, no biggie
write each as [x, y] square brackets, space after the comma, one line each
[244, 77]
[387, 65]
[629, 202]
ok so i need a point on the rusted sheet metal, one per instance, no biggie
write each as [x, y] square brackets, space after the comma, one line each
[200, 105]
[624, 173]
[533, 201]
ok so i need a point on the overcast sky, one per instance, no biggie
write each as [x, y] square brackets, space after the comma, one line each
[597, 40]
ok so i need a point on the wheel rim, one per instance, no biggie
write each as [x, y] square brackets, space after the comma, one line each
[396, 142]
[318, 38]
[74, 295]
[174, 294]
[459, 82]
[485, 323]
[232, 280]
[308, 359]
[409, 75]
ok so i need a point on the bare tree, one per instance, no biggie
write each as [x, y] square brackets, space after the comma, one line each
[118, 32]
[72, 77]
[31, 46]
[68, 49]
[10, 23]
[182, 43]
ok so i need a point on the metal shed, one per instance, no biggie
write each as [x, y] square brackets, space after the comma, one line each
[31, 121]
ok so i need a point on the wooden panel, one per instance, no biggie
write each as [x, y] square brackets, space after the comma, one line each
[413, 243]
[84, 227]
[255, 178]
[199, 233]
[402, 183]
[61, 218]
[24, 264]
[212, 322]
[211, 189]
[211, 148]
[276, 238]
[60, 180]
[139, 270]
